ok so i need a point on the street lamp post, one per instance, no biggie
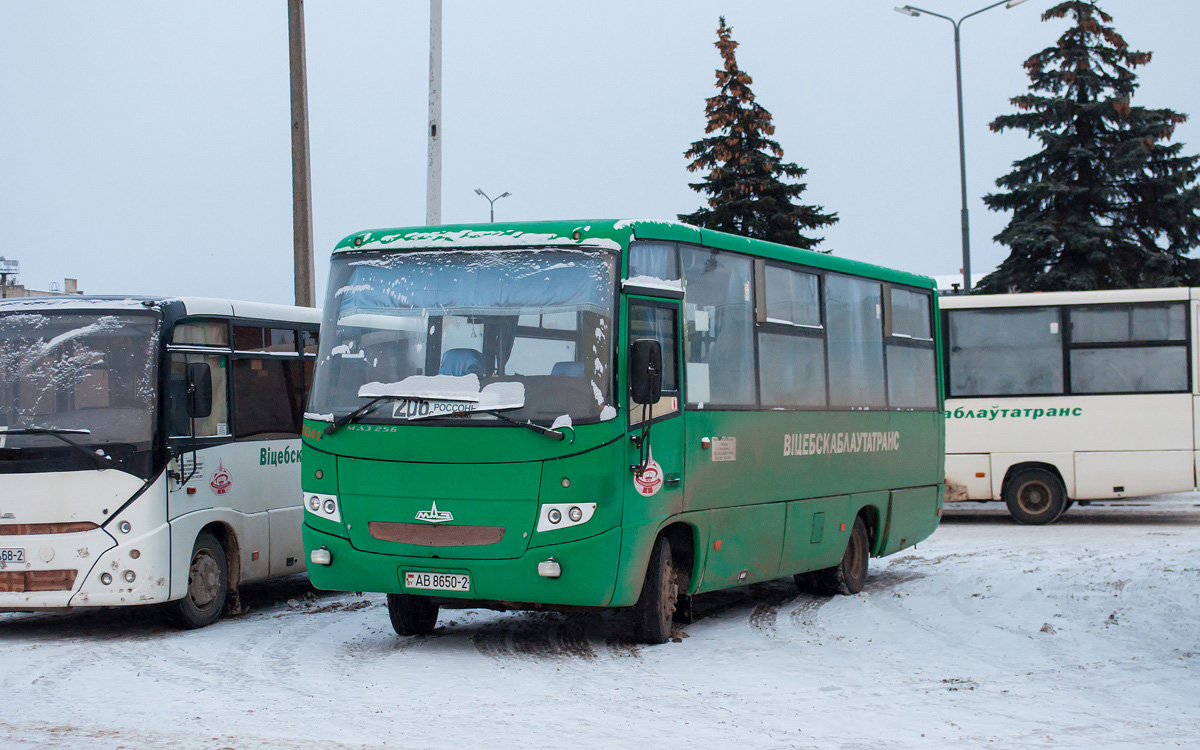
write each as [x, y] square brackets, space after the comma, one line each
[491, 202]
[909, 10]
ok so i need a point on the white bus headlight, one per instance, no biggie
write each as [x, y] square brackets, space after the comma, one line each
[564, 515]
[105, 578]
[324, 506]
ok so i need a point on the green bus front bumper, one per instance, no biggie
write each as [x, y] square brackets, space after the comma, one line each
[588, 579]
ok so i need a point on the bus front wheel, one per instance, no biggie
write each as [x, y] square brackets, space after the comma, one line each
[656, 606]
[412, 615]
[848, 576]
[208, 585]
[1035, 497]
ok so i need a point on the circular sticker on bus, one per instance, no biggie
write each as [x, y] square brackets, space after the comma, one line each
[221, 480]
[650, 481]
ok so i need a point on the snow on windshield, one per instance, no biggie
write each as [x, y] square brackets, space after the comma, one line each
[78, 371]
[539, 318]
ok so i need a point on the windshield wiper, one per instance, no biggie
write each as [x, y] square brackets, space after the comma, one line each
[102, 459]
[527, 424]
[358, 413]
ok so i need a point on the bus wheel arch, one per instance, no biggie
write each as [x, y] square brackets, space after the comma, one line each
[1035, 493]
[850, 574]
[210, 587]
[870, 516]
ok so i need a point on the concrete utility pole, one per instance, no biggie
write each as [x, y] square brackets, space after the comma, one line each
[301, 187]
[433, 190]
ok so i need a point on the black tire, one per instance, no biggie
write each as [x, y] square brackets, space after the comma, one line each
[849, 575]
[1035, 497]
[208, 585]
[412, 615]
[655, 608]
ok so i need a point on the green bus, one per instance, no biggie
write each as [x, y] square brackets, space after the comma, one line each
[610, 413]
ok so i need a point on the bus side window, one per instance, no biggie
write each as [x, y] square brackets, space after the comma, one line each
[216, 424]
[267, 398]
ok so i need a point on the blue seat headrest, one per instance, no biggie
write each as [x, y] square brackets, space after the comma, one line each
[461, 362]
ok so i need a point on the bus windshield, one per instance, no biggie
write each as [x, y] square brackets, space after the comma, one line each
[442, 334]
[75, 371]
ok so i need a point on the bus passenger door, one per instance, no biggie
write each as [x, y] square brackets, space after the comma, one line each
[655, 446]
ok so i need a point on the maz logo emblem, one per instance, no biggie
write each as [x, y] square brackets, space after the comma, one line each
[433, 515]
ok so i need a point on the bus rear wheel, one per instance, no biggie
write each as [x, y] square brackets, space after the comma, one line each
[208, 585]
[655, 608]
[850, 574]
[1035, 497]
[412, 615]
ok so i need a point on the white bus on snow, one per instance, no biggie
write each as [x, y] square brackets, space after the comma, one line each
[149, 450]
[1063, 397]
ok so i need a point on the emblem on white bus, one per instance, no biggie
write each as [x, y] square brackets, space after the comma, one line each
[433, 515]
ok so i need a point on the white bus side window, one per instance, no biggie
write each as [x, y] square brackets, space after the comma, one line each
[216, 424]
[1129, 349]
[267, 398]
[1005, 352]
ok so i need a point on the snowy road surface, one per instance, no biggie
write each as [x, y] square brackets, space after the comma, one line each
[1081, 634]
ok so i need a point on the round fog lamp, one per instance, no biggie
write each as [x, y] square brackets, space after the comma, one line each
[554, 516]
[130, 575]
[124, 527]
[314, 503]
[575, 514]
[330, 506]
[105, 578]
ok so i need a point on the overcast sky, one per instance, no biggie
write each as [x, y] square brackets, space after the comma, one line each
[144, 146]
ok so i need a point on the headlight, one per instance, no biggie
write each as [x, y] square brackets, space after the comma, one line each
[564, 515]
[325, 506]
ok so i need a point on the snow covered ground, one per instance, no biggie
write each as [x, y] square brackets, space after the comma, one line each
[1085, 633]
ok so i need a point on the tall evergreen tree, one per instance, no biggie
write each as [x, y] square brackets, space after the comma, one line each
[744, 185]
[1107, 203]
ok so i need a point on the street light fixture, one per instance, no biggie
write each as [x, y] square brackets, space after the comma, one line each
[492, 201]
[909, 10]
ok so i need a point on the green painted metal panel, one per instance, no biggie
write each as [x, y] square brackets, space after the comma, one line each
[588, 571]
[751, 539]
[913, 517]
[488, 495]
[818, 529]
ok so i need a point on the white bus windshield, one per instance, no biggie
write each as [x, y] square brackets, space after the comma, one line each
[527, 331]
[77, 371]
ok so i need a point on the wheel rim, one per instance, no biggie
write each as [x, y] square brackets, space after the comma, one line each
[1034, 497]
[204, 579]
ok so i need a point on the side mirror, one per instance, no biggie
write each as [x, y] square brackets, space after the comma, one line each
[199, 390]
[645, 371]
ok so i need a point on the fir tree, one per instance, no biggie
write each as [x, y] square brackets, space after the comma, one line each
[1107, 203]
[746, 194]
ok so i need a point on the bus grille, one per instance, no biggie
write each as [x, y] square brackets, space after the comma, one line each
[37, 580]
[424, 535]
[21, 529]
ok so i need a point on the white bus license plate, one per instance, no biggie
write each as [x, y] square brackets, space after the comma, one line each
[12, 555]
[437, 581]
